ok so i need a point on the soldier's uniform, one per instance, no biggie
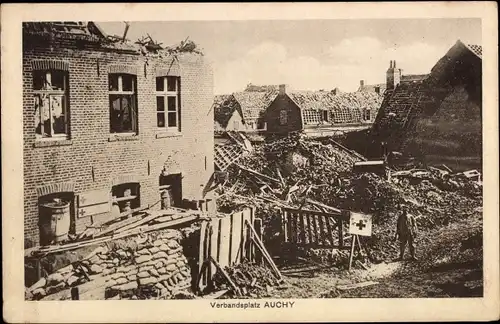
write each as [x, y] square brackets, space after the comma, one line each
[406, 232]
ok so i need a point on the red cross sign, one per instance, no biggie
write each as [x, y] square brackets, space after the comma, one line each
[360, 224]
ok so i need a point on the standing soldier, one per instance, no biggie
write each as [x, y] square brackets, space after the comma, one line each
[406, 231]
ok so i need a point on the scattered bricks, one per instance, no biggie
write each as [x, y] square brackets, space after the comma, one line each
[171, 267]
[147, 281]
[160, 255]
[132, 277]
[143, 258]
[154, 250]
[110, 283]
[173, 244]
[39, 284]
[56, 288]
[54, 279]
[162, 270]
[143, 274]
[128, 286]
[143, 252]
[39, 293]
[158, 243]
[121, 281]
[178, 250]
[164, 247]
[153, 272]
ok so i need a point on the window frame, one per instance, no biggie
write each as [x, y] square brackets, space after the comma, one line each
[52, 93]
[169, 94]
[120, 92]
[283, 117]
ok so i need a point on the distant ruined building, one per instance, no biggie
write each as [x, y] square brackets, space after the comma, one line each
[435, 117]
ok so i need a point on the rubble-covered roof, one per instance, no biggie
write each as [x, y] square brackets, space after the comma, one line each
[224, 106]
[413, 77]
[372, 87]
[261, 88]
[254, 103]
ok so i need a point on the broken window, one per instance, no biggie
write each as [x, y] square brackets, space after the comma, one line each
[122, 103]
[168, 103]
[171, 190]
[283, 117]
[126, 196]
[342, 116]
[50, 88]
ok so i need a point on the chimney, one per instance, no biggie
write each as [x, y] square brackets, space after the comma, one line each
[282, 89]
[394, 66]
[377, 90]
[362, 83]
[390, 65]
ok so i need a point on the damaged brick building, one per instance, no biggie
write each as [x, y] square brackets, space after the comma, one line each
[108, 125]
[436, 117]
[321, 113]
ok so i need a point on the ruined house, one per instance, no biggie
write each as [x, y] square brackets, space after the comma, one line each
[107, 126]
[242, 111]
[436, 117]
[378, 88]
[321, 113]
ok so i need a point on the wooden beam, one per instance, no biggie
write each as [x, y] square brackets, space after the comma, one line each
[224, 273]
[314, 212]
[257, 173]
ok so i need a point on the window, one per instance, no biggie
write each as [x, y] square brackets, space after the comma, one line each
[326, 115]
[311, 117]
[50, 88]
[126, 196]
[168, 103]
[367, 115]
[283, 117]
[122, 103]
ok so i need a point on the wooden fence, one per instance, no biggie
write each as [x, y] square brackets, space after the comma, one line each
[228, 241]
[314, 228]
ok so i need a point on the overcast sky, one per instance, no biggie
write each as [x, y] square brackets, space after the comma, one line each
[311, 54]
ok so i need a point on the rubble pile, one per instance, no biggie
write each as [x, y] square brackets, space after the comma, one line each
[144, 266]
[251, 279]
[298, 172]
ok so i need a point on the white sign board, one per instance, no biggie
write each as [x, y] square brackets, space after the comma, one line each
[360, 224]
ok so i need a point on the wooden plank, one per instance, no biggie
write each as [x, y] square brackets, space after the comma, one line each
[94, 197]
[330, 229]
[322, 231]
[94, 210]
[224, 273]
[224, 246]
[259, 229]
[284, 225]
[351, 255]
[312, 229]
[153, 215]
[263, 249]
[244, 234]
[214, 248]
[302, 228]
[202, 256]
[341, 232]
[236, 226]
[317, 203]
[317, 229]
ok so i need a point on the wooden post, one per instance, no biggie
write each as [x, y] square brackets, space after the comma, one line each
[259, 230]
[284, 219]
[352, 250]
[341, 233]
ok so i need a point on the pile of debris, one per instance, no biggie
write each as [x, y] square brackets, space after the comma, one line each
[302, 173]
[124, 268]
[251, 279]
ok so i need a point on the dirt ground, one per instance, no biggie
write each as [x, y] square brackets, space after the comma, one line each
[448, 266]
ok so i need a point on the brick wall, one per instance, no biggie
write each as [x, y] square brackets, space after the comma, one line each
[90, 158]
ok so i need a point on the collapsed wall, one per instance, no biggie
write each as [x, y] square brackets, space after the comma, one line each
[153, 264]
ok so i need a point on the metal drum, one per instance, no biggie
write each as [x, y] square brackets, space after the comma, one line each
[54, 222]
